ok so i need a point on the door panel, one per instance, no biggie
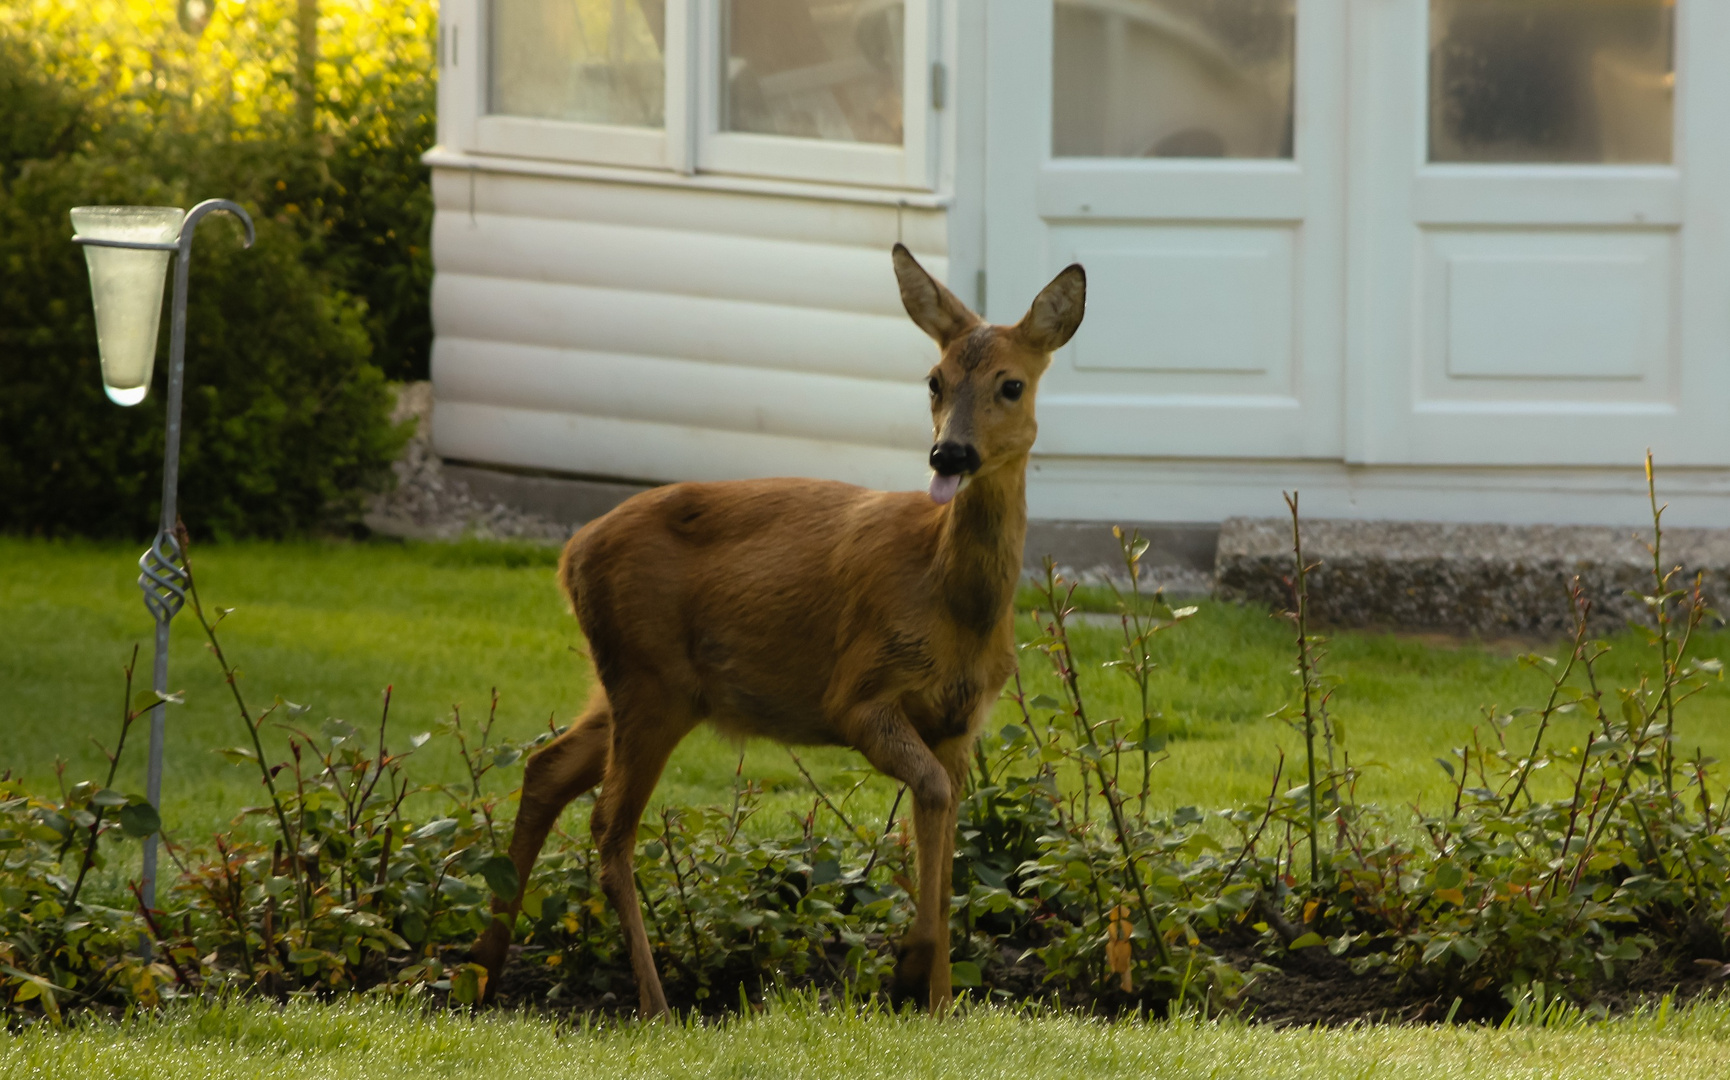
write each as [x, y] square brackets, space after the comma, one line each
[1188, 153]
[1187, 301]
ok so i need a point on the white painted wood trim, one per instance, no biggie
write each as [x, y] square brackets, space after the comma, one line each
[641, 450]
[447, 156]
[1200, 490]
[460, 86]
[521, 136]
[827, 277]
[723, 332]
[689, 393]
[1528, 195]
[1172, 189]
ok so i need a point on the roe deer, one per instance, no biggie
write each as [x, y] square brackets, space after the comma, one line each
[811, 612]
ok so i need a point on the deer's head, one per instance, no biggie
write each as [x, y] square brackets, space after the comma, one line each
[982, 388]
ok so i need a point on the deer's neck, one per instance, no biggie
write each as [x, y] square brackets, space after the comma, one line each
[979, 548]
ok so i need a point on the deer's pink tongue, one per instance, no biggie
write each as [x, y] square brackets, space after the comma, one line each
[943, 488]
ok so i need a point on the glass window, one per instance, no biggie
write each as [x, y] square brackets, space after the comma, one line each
[814, 69]
[1173, 78]
[591, 61]
[1551, 80]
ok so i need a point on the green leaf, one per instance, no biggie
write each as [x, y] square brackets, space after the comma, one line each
[139, 819]
[1448, 875]
[1446, 765]
[235, 755]
[1307, 941]
[436, 827]
[306, 956]
[420, 740]
[501, 876]
[964, 973]
[1467, 948]
[145, 700]
[1043, 701]
[825, 871]
[533, 903]
[108, 797]
[1435, 948]
[468, 983]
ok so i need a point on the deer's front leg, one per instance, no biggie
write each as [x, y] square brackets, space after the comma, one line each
[894, 747]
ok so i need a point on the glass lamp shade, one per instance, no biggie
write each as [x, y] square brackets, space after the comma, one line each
[127, 288]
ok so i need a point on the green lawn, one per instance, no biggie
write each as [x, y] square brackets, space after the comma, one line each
[793, 1039]
[330, 625]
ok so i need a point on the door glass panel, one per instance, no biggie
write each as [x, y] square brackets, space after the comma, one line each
[1172, 78]
[1551, 80]
[593, 61]
[814, 69]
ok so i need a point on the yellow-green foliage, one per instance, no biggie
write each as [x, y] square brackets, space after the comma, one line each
[144, 58]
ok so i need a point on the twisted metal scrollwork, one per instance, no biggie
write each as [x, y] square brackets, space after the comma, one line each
[163, 578]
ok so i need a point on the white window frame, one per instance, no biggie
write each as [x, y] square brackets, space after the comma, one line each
[692, 140]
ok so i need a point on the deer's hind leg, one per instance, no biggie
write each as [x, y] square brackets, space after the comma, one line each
[647, 725]
[555, 774]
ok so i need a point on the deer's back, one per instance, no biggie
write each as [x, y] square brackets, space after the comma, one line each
[743, 598]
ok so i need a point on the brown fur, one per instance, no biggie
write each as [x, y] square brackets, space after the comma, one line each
[808, 611]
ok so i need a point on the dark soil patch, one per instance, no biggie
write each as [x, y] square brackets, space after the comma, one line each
[1305, 988]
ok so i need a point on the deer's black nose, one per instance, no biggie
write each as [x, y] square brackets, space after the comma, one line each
[950, 458]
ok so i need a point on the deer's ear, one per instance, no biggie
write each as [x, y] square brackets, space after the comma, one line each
[1056, 312]
[933, 308]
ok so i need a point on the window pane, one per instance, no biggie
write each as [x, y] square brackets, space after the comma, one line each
[1172, 78]
[1551, 80]
[815, 69]
[594, 61]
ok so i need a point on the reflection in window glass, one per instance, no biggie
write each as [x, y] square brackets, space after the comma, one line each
[1172, 78]
[1551, 80]
[593, 61]
[814, 69]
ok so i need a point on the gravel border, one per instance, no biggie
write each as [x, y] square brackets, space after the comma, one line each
[428, 504]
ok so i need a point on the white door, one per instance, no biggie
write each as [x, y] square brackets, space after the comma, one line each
[1190, 154]
[1539, 232]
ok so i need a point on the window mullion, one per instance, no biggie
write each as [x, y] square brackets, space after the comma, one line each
[684, 110]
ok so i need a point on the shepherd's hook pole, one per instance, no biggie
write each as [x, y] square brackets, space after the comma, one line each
[163, 573]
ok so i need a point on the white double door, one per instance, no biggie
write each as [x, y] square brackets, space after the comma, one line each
[1402, 232]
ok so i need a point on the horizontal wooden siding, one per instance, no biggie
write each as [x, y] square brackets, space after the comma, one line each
[605, 329]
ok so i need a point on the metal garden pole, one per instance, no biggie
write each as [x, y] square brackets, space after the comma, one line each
[163, 574]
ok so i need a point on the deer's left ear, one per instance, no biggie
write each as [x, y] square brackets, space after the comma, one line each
[1056, 312]
[933, 308]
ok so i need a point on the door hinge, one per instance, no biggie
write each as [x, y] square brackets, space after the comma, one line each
[939, 86]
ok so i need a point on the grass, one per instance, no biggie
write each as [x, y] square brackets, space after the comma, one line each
[794, 1039]
[330, 625]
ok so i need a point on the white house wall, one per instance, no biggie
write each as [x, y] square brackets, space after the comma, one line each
[666, 333]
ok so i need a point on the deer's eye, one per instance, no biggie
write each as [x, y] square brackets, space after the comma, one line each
[936, 387]
[1012, 389]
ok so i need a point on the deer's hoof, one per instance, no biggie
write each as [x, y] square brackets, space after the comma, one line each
[491, 951]
[912, 980]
